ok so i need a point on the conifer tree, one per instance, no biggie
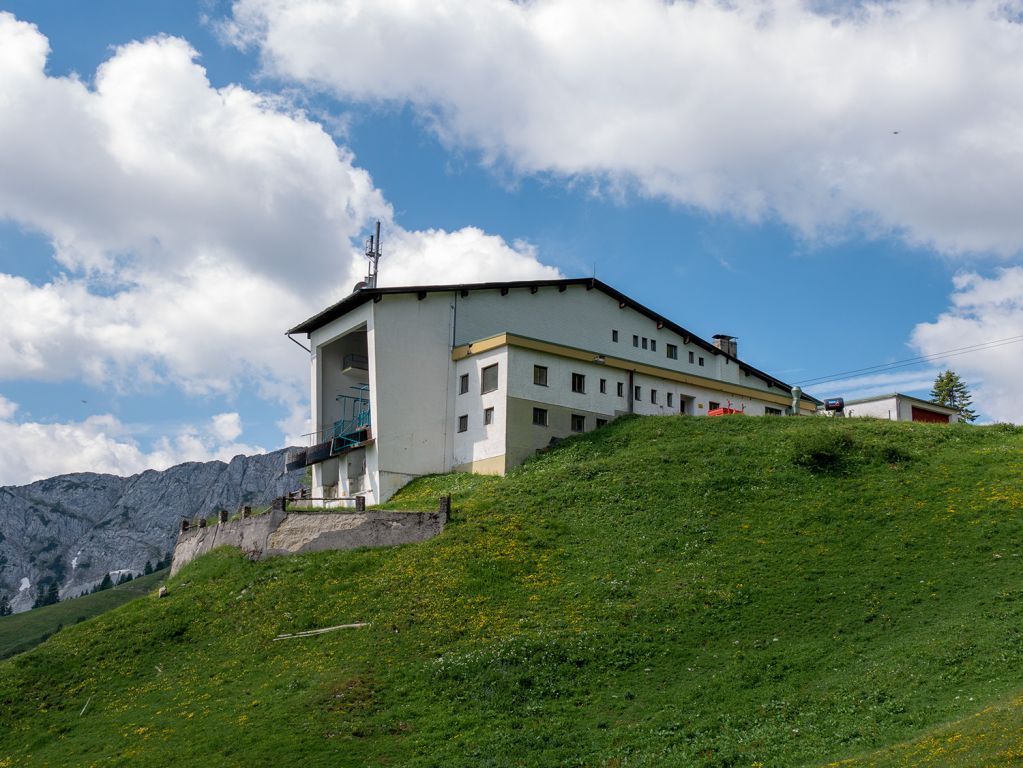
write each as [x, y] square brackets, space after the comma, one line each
[148, 568]
[5, 606]
[951, 391]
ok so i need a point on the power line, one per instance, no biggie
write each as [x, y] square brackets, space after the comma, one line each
[994, 344]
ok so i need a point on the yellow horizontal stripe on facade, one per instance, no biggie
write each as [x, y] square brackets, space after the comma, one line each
[573, 353]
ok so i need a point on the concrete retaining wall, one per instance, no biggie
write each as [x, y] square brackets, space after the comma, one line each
[283, 533]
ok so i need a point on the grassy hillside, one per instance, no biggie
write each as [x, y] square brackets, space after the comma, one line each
[661, 592]
[26, 630]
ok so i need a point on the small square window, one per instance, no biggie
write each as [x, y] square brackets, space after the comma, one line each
[653, 396]
[672, 352]
[691, 356]
[653, 345]
[578, 422]
[488, 416]
[488, 377]
[578, 383]
[540, 375]
[603, 386]
[540, 417]
[601, 423]
[463, 383]
[463, 423]
[712, 406]
[645, 342]
[701, 361]
[621, 389]
[671, 400]
[635, 340]
[614, 335]
[636, 393]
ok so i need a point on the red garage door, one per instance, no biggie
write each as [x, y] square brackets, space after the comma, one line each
[921, 414]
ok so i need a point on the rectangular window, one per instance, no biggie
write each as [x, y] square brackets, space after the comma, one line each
[672, 352]
[636, 393]
[578, 382]
[644, 342]
[712, 406]
[540, 375]
[691, 356]
[463, 383]
[653, 396]
[488, 416]
[540, 417]
[488, 377]
[653, 345]
[578, 422]
[463, 423]
[621, 389]
[635, 340]
[603, 386]
[671, 400]
[601, 423]
[701, 361]
[769, 411]
[614, 335]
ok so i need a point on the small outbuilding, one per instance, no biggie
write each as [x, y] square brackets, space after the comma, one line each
[899, 407]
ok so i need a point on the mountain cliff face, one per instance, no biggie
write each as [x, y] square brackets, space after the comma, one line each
[77, 528]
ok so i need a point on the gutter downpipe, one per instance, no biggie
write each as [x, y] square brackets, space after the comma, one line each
[632, 391]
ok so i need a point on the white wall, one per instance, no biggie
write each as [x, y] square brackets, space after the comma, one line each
[410, 376]
[479, 441]
[885, 408]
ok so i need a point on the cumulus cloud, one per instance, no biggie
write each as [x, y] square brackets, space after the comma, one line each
[983, 309]
[192, 224]
[898, 117]
[104, 444]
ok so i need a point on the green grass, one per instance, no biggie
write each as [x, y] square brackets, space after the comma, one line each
[660, 592]
[22, 631]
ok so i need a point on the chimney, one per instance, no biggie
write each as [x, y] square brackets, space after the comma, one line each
[727, 344]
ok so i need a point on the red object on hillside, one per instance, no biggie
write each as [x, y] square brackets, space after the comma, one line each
[723, 411]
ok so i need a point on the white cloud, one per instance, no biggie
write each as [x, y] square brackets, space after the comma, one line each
[7, 408]
[900, 116]
[193, 225]
[882, 383]
[227, 426]
[984, 309]
[33, 450]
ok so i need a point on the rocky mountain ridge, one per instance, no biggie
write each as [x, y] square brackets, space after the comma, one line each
[76, 528]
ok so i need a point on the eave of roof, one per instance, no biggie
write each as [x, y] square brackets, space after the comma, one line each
[360, 297]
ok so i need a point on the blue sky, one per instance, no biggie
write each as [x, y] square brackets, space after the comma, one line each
[182, 181]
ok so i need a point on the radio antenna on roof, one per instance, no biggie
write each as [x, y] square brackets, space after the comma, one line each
[373, 254]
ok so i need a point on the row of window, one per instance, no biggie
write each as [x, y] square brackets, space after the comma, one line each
[541, 418]
[463, 420]
[643, 342]
[488, 380]
[488, 377]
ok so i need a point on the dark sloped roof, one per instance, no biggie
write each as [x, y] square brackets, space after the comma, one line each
[364, 295]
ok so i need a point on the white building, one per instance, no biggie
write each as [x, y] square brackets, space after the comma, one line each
[420, 380]
[899, 407]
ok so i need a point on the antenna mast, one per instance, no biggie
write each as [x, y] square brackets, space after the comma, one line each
[373, 254]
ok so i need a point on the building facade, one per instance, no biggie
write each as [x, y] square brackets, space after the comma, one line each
[899, 407]
[421, 380]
